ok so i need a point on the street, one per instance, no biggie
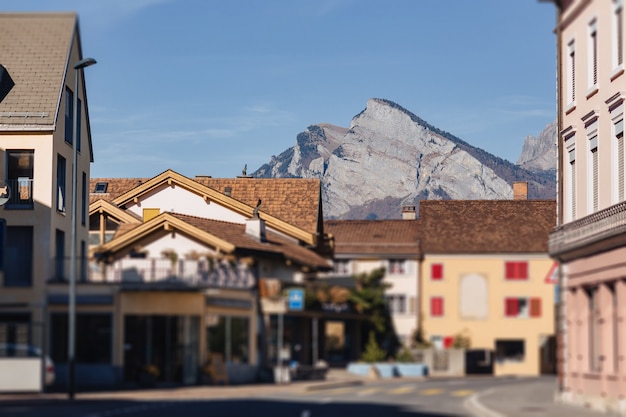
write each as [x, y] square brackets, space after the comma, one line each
[398, 397]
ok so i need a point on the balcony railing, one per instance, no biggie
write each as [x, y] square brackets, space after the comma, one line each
[589, 229]
[201, 273]
[21, 193]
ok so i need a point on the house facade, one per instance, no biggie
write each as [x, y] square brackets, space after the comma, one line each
[590, 240]
[362, 246]
[177, 272]
[37, 96]
[483, 282]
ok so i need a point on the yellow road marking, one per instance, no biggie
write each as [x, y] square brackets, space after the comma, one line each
[431, 391]
[401, 390]
[462, 393]
[368, 391]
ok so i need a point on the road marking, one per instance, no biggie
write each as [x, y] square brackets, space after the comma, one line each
[305, 413]
[339, 391]
[473, 405]
[368, 391]
[402, 390]
[431, 391]
[462, 393]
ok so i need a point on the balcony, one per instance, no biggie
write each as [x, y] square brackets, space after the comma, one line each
[160, 273]
[600, 231]
[21, 193]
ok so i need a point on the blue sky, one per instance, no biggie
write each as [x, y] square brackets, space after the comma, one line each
[205, 87]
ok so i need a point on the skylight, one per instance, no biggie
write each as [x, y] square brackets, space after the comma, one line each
[101, 187]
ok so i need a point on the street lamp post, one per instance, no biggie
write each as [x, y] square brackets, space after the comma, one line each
[71, 342]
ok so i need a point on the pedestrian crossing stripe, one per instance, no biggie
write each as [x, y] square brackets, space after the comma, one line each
[402, 390]
[462, 393]
[368, 391]
[431, 391]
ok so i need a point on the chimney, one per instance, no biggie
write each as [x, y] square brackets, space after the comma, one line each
[255, 228]
[520, 190]
[408, 213]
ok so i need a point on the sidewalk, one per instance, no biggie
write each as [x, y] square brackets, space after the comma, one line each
[335, 378]
[528, 397]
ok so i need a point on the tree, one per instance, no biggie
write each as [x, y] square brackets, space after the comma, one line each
[373, 352]
[369, 298]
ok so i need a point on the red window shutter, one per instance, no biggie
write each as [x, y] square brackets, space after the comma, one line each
[523, 270]
[509, 270]
[436, 306]
[448, 341]
[511, 307]
[535, 307]
[516, 270]
[436, 271]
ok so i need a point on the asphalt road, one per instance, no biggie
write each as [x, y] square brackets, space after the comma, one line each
[407, 398]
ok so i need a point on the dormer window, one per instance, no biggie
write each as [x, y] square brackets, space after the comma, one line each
[101, 188]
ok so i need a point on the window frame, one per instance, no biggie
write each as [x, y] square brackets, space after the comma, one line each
[61, 184]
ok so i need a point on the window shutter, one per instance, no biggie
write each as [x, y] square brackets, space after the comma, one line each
[620, 165]
[522, 270]
[411, 304]
[436, 306]
[535, 307]
[573, 180]
[594, 155]
[511, 307]
[509, 270]
[436, 271]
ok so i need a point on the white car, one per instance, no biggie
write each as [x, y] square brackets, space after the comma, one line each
[28, 351]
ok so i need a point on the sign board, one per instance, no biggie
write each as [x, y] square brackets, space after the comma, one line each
[553, 274]
[295, 299]
[5, 193]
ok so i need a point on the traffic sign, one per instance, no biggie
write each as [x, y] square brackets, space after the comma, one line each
[295, 299]
[553, 275]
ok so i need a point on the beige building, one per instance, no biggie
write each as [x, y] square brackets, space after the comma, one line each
[590, 238]
[483, 281]
[37, 95]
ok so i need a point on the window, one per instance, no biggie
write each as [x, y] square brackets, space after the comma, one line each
[20, 167]
[78, 113]
[60, 184]
[510, 350]
[229, 336]
[69, 115]
[396, 303]
[341, 266]
[618, 34]
[396, 266]
[522, 307]
[593, 174]
[83, 211]
[59, 270]
[571, 73]
[474, 303]
[593, 54]
[19, 249]
[15, 328]
[83, 262]
[94, 338]
[514, 270]
[436, 272]
[101, 187]
[594, 329]
[619, 156]
[571, 186]
[436, 307]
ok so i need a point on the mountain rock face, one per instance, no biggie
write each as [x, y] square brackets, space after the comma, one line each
[390, 157]
[539, 153]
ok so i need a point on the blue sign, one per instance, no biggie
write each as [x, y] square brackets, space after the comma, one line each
[295, 299]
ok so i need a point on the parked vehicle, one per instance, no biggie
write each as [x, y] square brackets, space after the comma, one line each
[10, 350]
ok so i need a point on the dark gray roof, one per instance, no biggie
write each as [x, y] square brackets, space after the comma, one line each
[34, 50]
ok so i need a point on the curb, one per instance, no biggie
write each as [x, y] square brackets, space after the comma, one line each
[333, 385]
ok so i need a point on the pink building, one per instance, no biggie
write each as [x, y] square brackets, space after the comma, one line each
[590, 238]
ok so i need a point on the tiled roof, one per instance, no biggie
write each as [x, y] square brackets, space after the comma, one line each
[235, 234]
[293, 200]
[486, 226]
[34, 50]
[374, 236]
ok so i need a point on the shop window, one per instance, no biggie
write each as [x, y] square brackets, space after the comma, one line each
[229, 336]
[94, 338]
